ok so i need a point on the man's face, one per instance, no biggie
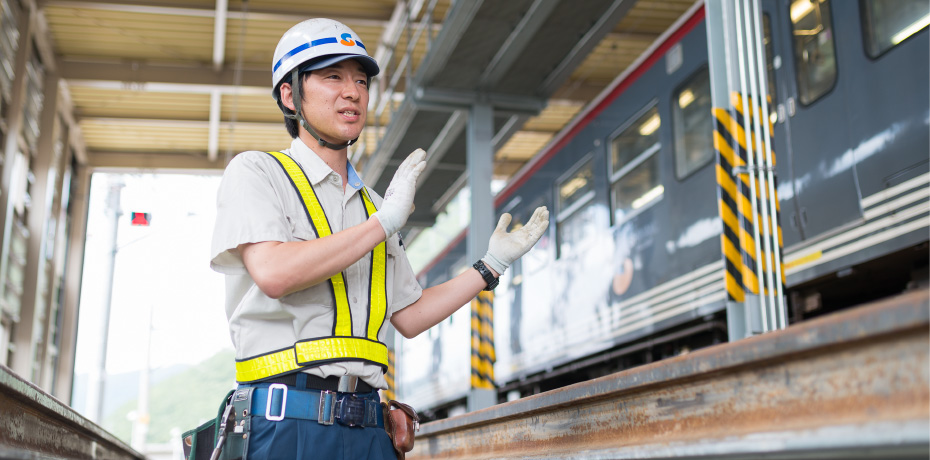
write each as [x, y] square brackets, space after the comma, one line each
[335, 100]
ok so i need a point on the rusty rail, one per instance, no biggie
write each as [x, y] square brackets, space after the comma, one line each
[36, 425]
[850, 385]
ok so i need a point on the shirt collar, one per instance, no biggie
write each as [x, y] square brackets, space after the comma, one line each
[354, 180]
[316, 169]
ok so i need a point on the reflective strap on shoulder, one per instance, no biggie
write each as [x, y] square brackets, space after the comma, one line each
[325, 349]
[377, 305]
[343, 321]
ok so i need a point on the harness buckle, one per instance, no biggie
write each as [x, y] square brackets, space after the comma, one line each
[327, 412]
[351, 411]
[271, 389]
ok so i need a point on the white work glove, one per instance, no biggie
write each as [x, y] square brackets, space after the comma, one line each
[504, 248]
[398, 199]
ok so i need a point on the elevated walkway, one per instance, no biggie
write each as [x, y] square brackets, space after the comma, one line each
[850, 385]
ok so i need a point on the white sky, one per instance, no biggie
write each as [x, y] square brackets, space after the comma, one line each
[164, 267]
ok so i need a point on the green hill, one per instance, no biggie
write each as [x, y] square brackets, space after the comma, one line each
[181, 401]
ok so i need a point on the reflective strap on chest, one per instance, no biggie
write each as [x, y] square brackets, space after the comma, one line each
[342, 345]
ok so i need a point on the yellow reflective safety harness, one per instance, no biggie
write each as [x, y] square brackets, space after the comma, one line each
[342, 345]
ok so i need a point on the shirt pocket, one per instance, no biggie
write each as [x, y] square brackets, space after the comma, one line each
[301, 230]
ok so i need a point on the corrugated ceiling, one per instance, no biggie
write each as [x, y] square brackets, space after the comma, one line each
[142, 73]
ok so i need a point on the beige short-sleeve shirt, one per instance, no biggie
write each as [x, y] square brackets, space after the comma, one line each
[256, 202]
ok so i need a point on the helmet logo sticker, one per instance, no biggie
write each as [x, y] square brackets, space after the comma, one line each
[347, 40]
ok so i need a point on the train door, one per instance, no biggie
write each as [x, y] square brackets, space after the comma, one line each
[817, 189]
[791, 231]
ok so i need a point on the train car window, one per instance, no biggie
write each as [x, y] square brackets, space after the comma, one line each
[575, 221]
[814, 52]
[634, 165]
[885, 23]
[693, 126]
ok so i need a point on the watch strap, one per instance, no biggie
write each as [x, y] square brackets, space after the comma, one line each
[487, 275]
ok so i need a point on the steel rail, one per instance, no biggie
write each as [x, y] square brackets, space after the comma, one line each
[855, 384]
[33, 424]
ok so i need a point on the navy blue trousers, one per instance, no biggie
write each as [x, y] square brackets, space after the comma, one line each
[293, 439]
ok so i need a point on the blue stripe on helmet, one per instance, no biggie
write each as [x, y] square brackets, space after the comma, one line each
[359, 43]
[321, 41]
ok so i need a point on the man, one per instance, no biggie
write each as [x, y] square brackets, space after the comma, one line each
[314, 266]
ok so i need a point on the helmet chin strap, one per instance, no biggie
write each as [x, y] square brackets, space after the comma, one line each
[295, 93]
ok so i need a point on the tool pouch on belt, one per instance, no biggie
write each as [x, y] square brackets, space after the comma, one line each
[401, 421]
[228, 432]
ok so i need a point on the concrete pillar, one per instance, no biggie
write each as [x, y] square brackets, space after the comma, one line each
[71, 290]
[30, 333]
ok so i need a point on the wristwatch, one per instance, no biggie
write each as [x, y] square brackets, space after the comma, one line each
[487, 275]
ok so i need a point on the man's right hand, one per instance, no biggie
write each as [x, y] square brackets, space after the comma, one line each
[398, 199]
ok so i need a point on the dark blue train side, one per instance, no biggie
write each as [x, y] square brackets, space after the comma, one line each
[631, 269]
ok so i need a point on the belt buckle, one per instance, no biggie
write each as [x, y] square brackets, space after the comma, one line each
[271, 388]
[347, 383]
[351, 410]
[327, 411]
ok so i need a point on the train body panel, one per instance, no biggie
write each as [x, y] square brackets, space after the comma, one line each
[847, 142]
[633, 248]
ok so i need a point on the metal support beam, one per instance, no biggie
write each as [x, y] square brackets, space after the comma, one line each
[457, 20]
[480, 158]
[573, 59]
[444, 140]
[448, 100]
[516, 42]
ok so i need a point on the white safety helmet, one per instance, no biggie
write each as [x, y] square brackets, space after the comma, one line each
[314, 44]
[322, 41]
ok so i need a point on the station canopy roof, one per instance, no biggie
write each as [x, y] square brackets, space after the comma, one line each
[168, 84]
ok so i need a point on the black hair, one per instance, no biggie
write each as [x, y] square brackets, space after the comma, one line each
[289, 123]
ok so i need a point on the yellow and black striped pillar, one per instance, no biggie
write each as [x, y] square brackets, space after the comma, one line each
[742, 195]
[482, 341]
[762, 190]
[391, 392]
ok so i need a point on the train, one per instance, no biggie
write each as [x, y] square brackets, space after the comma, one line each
[631, 269]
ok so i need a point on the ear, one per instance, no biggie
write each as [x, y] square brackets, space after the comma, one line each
[287, 97]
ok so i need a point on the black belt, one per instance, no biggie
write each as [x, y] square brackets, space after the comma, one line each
[330, 383]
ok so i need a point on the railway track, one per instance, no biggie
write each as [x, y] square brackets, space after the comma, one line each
[850, 385]
[855, 384]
